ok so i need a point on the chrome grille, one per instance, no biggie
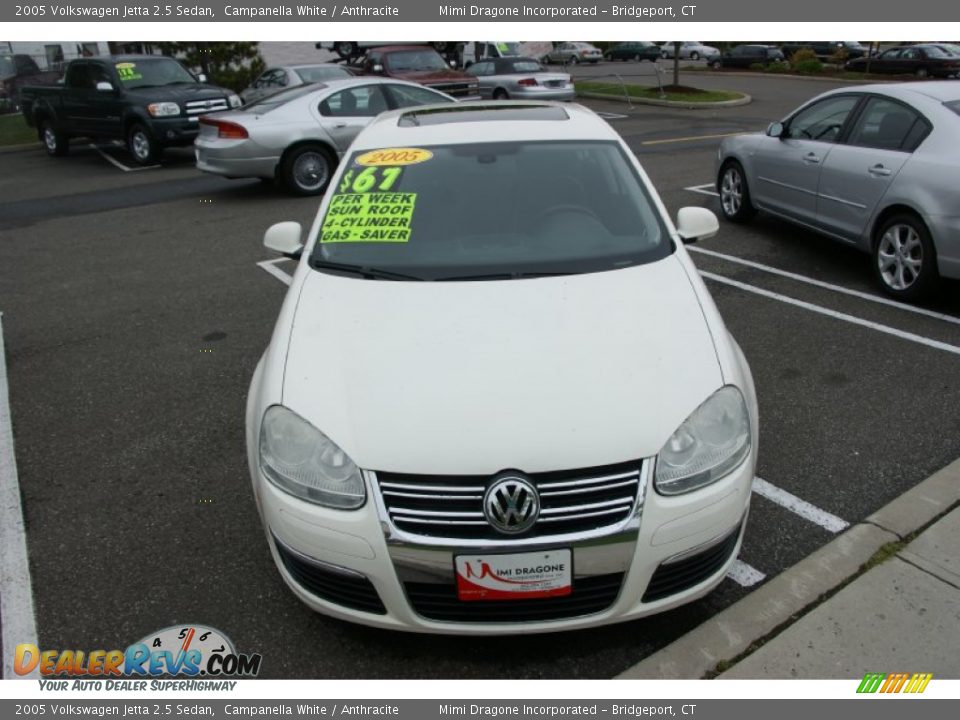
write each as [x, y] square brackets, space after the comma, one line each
[457, 89]
[201, 107]
[451, 506]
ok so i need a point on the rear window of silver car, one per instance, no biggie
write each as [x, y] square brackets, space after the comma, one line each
[492, 211]
[272, 102]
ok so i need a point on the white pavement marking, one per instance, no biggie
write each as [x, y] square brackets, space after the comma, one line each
[799, 507]
[903, 335]
[836, 288]
[612, 116]
[691, 138]
[271, 267]
[705, 189]
[119, 164]
[17, 617]
[745, 575]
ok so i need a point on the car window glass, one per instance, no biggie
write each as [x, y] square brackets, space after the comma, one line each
[885, 124]
[481, 68]
[890, 54]
[79, 76]
[909, 54]
[823, 120]
[525, 66]
[935, 52]
[275, 100]
[408, 96]
[364, 101]
[321, 73]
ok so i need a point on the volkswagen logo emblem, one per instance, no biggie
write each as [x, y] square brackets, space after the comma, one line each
[511, 505]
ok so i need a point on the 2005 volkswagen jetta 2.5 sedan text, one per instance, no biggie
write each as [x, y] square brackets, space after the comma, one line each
[498, 397]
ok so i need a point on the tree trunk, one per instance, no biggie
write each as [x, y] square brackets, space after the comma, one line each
[676, 64]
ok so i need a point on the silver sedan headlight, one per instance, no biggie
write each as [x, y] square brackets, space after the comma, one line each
[301, 460]
[709, 444]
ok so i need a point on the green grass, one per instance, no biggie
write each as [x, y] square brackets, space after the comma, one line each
[14, 131]
[690, 95]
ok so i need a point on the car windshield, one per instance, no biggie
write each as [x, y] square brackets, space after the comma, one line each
[319, 73]
[272, 102]
[7, 68]
[152, 73]
[935, 52]
[412, 60]
[490, 211]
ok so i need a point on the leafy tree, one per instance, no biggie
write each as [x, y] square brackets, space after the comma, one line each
[232, 65]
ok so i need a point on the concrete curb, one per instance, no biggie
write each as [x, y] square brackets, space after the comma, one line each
[733, 631]
[745, 100]
[791, 76]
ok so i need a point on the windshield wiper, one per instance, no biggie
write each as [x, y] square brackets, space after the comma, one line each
[505, 276]
[364, 270]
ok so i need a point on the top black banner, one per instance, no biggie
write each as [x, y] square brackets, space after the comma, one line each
[431, 11]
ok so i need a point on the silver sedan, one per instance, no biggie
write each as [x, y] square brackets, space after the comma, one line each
[520, 78]
[874, 166]
[298, 136]
[275, 79]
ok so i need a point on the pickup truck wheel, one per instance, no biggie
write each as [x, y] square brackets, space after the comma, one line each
[307, 170]
[54, 141]
[345, 49]
[141, 145]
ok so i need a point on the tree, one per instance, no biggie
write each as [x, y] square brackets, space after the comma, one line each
[232, 65]
[676, 64]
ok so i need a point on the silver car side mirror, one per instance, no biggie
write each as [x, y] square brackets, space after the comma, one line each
[284, 238]
[775, 130]
[696, 223]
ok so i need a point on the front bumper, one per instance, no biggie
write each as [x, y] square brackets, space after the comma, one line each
[174, 130]
[544, 93]
[358, 566]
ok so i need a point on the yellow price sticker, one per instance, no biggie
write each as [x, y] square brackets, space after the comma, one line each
[394, 156]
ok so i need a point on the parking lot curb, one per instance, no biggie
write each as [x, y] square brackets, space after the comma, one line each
[745, 100]
[764, 613]
[791, 76]
[18, 148]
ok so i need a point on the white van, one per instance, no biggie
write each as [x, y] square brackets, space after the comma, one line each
[489, 50]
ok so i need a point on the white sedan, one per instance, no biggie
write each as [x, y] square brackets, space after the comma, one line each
[498, 397]
[690, 50]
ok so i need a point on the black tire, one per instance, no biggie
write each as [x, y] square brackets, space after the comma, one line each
[735, 202]
[307, 170]
[500, 94]
[54, 142]
[694, 55]
[904, 258]
[574, 60]
[141, 144]
[922, 72]
[346, 50]
[716, 65]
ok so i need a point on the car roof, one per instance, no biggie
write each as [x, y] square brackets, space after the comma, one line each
[909, 91]
[299, 66]
[478, 121]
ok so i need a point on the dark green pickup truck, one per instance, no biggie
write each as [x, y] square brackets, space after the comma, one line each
[150, 102]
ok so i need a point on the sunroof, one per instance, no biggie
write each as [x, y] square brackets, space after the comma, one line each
[486, 113]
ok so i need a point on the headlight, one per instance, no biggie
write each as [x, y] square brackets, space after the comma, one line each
[234, 101]
[709, 444]
[301, 460]
[163, 109]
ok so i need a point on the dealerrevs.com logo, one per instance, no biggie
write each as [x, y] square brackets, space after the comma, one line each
[179, 651]
[899, 682]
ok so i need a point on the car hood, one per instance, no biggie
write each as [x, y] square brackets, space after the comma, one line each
[180, 93]
[476, 377]
[432, 76]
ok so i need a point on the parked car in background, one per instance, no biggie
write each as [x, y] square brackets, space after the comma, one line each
[633, 51]
[489, 50]
[149, 101]
[743, 56]
[16, 71]
[519, 78]
[573, 53]
[873, 166]
[690, 50]
[919, 60]
[826, 49]
[277, 78]
[499, 399]
[298, 135]
[420, 64]
[351, 49]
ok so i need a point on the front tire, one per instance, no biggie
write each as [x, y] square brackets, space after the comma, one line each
[500, 94]
[904, 259]
[141, 145]
[346, 50]
[694, 55]
[735, 203]
[307, 170]
[922, 72]
[54, 142]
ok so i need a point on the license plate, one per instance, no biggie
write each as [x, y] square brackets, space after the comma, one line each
[519, 576]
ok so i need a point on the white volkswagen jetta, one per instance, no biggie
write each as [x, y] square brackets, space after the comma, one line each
[498, 397]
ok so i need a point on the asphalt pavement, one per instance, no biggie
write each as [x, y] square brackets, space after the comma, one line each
[134, 312]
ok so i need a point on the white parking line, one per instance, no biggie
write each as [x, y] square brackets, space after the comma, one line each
[271, 267]
[705, 189]
[828, 286]
[903, 335]
[612, 116]
[744, 575]
[119, 164]
[17, 617]
[826, 520]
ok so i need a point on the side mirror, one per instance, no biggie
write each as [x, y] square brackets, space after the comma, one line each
[284, 238]
[775, 130]
[378, 68]
[696, 223]
[202, 78]
[453, 64]
[104, 86]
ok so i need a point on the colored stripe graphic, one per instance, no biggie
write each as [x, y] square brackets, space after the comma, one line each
[894, 682]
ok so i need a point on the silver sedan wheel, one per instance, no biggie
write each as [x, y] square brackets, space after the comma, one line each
[50, 139]
[731, 191]
[900, 256]
[310, 171]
